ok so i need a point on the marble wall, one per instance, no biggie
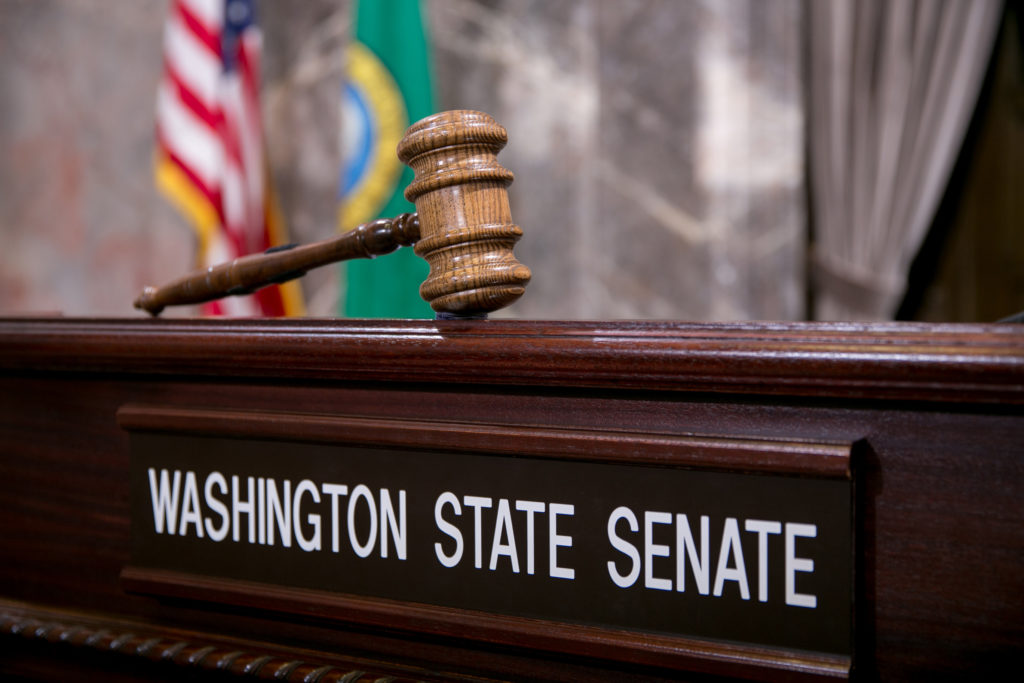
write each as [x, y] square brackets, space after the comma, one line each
[81, 225]
[657, 147]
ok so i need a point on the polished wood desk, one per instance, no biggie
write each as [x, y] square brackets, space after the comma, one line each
[918, 428]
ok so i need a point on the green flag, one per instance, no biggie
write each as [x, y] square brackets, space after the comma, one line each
[387, 87]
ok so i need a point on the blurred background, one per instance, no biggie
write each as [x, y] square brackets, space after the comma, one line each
[674, 159]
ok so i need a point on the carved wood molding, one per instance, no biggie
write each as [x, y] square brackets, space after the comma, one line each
[192, 651]
[644, 649]
[773, 456]
[951, 363]
[582, 634]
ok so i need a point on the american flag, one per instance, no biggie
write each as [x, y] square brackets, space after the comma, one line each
[210, 158]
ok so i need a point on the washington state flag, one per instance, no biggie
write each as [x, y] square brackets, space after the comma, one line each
[387, 87]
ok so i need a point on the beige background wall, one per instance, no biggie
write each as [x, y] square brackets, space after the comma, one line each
[657, 146]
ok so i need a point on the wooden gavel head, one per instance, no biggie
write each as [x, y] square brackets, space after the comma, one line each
[463, 230]
[466, 230]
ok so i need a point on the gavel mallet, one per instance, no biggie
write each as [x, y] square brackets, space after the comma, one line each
[462, 227]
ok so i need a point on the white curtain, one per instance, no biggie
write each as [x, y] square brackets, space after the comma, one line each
[892, 86]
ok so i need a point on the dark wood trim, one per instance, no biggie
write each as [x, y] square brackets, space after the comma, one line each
[938, 479]
[948, 363]
[637, 648]
[775, 456]
[190, 652]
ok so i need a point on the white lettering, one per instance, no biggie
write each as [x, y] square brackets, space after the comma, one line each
[361, 492]
[686, 548]
[652, 550]
[164, 498]
[279, 513]
[530, 507]
[261, 510]
[796, 564]
[477, 503]
[503, 527]
[216, 478]
[624, 547]
[388, 521]
[556, 541]
[240, 507]
[190, 512]
[731, 545]
[448, 498]
[334, 490]
[762, 528]
[313, 542]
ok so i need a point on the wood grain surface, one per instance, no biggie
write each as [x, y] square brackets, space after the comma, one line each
[936, 408]
[466, 229]
[943, 363]
[159, 653]
[246, 274]
[463, 229]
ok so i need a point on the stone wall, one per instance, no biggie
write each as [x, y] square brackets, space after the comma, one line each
[82, 226]
[657, 147]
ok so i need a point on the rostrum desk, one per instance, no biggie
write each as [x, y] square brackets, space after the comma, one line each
[607, 438]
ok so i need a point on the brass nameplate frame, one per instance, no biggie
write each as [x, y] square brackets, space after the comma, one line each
[695, 553]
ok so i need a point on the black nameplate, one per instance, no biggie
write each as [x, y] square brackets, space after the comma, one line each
[741, 543]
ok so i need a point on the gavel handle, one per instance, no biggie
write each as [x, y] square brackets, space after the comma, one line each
[246, 274]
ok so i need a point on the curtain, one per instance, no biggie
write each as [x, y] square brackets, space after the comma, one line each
[892, 86]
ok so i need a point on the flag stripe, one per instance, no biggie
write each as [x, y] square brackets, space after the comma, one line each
[209, 12]
[207, 113]
[213, 197]
[195, 67]
[210, 137]
[189, 138]
[206, 33]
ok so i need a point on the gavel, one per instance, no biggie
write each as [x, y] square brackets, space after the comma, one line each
[462, 227]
